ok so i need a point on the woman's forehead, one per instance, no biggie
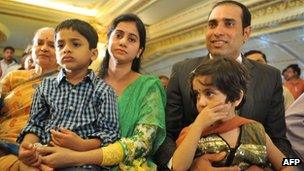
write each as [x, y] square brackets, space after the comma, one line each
[45, 34]
[128, 27]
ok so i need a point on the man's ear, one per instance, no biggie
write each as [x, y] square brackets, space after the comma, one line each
[94, 54]
[237, 102]
[247, 33]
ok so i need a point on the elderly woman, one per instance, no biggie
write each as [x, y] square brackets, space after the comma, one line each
[17, 90]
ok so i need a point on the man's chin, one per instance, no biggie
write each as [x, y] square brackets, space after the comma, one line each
[216, 54]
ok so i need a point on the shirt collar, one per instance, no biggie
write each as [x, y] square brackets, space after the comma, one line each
[62, 76]
[13, 62]
[239, 58]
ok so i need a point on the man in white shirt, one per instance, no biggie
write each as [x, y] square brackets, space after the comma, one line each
[8, 64]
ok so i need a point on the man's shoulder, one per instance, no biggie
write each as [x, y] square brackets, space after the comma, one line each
[190, 61]
[266, 69]
[15, 63]
[188, 64]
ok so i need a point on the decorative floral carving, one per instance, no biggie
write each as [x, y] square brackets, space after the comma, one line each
[2, 37]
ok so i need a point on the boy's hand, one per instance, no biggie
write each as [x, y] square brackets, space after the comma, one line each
[212, 113]
[66, 138]
[44, 167]
[58, 157]
[28, 155]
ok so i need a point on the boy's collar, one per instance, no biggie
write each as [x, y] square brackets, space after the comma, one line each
[62, 76]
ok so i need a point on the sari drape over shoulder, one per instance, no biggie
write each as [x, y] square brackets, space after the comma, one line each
[17, 94]
[141, 112]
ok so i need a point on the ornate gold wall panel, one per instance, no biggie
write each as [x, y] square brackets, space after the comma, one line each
[4, 33]
[37, 13]
[113, 8]
[182, 32]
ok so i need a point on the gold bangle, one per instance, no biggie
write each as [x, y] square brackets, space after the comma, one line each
[112, 154]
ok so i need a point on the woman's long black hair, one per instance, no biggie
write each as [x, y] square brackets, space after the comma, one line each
[142, 44]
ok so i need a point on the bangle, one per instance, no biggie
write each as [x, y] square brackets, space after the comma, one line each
[112, 154]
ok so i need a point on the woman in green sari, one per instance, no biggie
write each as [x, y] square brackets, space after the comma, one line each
[141, 102]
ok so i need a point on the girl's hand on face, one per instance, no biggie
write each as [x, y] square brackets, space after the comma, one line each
[213, 112]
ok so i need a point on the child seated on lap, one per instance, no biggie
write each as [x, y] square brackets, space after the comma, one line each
[75, 109]
[218, 87]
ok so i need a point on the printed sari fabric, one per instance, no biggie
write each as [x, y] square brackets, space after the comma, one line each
[17, 90]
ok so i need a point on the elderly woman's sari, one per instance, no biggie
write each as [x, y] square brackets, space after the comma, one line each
[17, 89]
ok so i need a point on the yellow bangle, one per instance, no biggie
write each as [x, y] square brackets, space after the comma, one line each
[112, 154]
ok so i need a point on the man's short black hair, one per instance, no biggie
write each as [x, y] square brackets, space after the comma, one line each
[9, 48]
[295, 68]
[246, 15]
[83, 28]
[254, 52]
[227, 75]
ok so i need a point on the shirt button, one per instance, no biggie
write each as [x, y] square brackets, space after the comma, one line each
[74, 91]
[71, 108]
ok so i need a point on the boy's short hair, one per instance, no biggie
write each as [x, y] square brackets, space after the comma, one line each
[227, 75]
[9, 48]
[83, 28]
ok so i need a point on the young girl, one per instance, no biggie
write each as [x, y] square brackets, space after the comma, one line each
[218, 87]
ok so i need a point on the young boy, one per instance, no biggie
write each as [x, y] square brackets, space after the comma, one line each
[218, 87]
[74, 109]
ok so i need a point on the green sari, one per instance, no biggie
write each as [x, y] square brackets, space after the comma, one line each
[141, 107]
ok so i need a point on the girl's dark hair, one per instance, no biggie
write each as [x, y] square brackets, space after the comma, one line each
[229, 76]
[142, 41]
